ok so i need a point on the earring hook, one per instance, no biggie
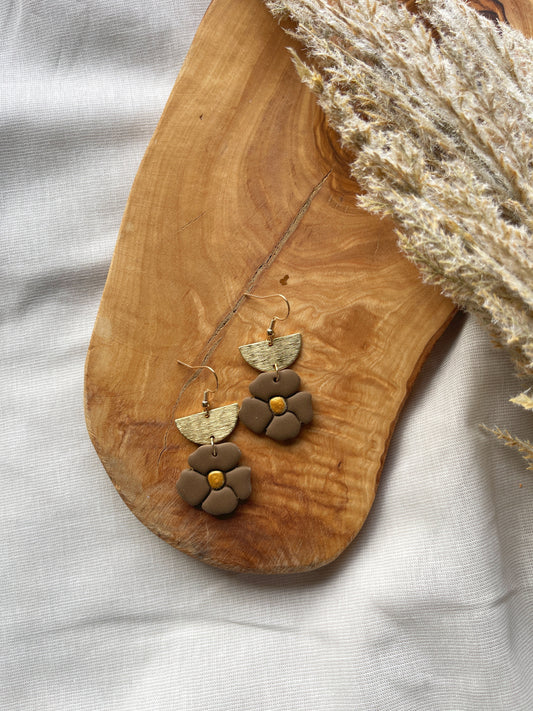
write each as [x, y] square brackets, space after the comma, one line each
[270, 329]
[206, 405]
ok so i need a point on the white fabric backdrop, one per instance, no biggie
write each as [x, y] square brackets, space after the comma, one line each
[430, 607]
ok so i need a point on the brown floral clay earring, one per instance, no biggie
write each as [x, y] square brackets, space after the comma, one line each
[214, 481]
[277, 407]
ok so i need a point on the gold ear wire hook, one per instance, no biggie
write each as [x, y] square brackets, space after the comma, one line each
[270, 329]
[206, 405]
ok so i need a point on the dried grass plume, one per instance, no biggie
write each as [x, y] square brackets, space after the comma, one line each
[437, 111]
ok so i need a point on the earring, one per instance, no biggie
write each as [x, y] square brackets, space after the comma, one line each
[277, 406]
[214, 480]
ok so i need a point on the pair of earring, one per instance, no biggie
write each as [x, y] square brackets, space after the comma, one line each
[276, 408]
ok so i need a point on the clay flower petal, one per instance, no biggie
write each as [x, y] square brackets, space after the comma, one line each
[255, 414]
[192, 487]
[220, 502]
[302, 406]
[239, 480]
[284, 427]
[204, 461]
[266, 385]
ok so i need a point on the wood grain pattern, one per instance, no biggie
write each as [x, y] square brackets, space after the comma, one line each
[244, 188]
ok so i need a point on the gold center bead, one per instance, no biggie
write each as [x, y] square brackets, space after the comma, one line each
[277, 405]
[216, 479]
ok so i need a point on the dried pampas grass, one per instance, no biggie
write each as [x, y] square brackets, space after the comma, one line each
[437, 110]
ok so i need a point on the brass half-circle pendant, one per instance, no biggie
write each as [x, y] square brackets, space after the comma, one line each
[199, 428]
[265, 356]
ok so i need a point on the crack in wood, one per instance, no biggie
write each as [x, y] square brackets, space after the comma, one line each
[191, 222]
[213, 342]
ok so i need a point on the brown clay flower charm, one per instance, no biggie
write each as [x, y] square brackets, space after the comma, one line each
[277, 408]
[214, 479]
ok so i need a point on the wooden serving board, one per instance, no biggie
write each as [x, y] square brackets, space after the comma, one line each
[243, 188]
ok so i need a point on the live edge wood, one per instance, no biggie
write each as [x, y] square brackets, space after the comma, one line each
[244, 188]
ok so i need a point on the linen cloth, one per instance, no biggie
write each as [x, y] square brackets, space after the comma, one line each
[429, 608]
